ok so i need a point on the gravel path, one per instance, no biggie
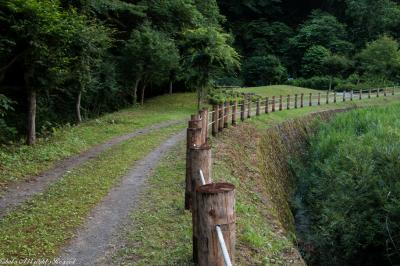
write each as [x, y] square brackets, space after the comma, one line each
[18, 193]
[93, 243]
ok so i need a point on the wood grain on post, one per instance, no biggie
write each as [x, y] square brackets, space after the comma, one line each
[319, 98]
[327, 97]
[288, 102]
[234, 112]
[267, 105]
[200, 158]
[258, 107]
[221, 117]
[377, 93]
[280, 102]
[302, 100]
[215, 120]
[215, 206]
[295, 101]
[344, 96]
[273, 104]
[334, 96]
[204, 118]
[243, 110]
[226, 115]
[384, 92]
[360, 95]
[310, 103]
[351, 95]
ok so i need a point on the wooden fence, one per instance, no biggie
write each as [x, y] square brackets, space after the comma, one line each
[212, 204]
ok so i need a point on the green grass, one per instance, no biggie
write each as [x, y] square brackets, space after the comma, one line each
[18, 162]
[38, 228]
[276, 90]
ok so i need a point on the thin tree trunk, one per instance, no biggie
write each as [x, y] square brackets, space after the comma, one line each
[170, 86]
[78, 107]
[330, 83]
[143, 89]
[31, 121]
[135, 89]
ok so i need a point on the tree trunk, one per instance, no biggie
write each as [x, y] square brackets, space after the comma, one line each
[78, 107]
[142, 98]
[31, 120]
[170, 87]
[330, 83]
[135, 89]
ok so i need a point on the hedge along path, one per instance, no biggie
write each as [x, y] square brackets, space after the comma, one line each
[94, 241]
[20, 192]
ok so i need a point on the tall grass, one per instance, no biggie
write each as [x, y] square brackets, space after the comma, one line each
[350, 183]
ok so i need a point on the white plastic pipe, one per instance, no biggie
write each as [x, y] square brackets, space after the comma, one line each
[203, 181]
[223, 246]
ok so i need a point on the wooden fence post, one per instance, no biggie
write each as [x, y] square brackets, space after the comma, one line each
[319, 98]
[234, 111]
[204, 118]
[243, 110]
[221, 117]
[310, 104]
[344, 96]
[351, 95]
[295, 101]
[194, 139]
[200, 158]
[369, 94]
[258, 107]
[273, 104]
[249, 108]
[327, 96]
[360, 95]
[377, 93]
[280, 102]
[215, 206]
[302, 100]
[215, 120]
[334, 96]
[288, 102]
[393, 91]
[226, 114]
[384, 92]
[267, 105]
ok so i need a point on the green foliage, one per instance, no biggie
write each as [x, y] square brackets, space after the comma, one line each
[316, 82]
[313, 61]
[219, 96]
[350, 186]
[263, 70]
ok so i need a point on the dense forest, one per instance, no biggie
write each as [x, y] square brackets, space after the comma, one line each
[61, 60]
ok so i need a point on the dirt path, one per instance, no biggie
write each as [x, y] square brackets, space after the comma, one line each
[18, 193]
[94, 243]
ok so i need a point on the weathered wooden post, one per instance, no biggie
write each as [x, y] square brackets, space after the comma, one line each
[258, 107]
[234, 111]
[384, 92]
[295, 101]
[334, 96]
[280, 102]
[302, 100]
[377, 93]
[360, 95]
[351, 95]
[215, 207]
[288, 102]
[242, 110]
[221, 117]
[267, 105]
[369, 94]
[215, 120]
[249, 108]
[194, 139]
[344, 96]
[200, 158]
[393, 91]
[327, 96]
[319, 98]
[273, 104]
[310, 103]
[204, 118]
[226, 115]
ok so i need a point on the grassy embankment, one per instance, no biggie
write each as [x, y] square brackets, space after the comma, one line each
[276, 90]
[162, 229]
[18, 162]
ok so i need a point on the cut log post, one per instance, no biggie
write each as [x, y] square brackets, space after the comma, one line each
[393, 91]
[295, 101]
[302, 100]
[310, 103]
[234, 112]
[327, 97]
[384, 92]
[221, 117]
[273, 104]
[267, 105]
[360, 95]
[334, 96]
[288, 102]
[344, 96]
[243, 110]
[377, 93]
[204, 118]
[369, 94]
[249, 108]
[319, 98]
[226, 114]
[215, 207]
[351, 95]
[200, 158]
[215, 117]
[280, 102]
[258, 107]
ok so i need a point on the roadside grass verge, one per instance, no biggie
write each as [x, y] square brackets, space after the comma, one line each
[160, 233]
[19, 162]
[40, 227]
[276, 90]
